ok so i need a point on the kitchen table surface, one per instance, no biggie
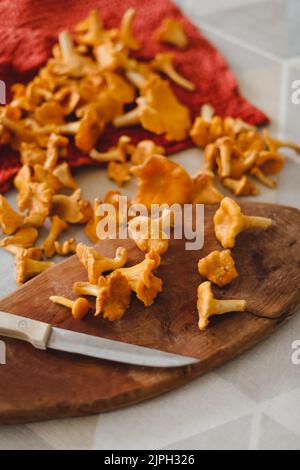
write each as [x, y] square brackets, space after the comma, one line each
[253, 401]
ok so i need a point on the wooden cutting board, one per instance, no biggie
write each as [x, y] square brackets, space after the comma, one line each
[39, 385]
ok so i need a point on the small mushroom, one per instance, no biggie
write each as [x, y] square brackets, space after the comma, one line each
[158, 111]
[65, 248]
[218, 267]
[70, 62]
[275, 144]
[22, 182]
[118, 172]
[225, 148]
[241, 164]
[112, 295]
[207, 127]
[49, 113]
[264, 179]
[242, 187]
[31, 153]
[141, 279]
[55, 146]
[72, 208]
[96, 264]
[205, 191]
[269, 162]
[79, 307]
[86, 131]
[34, 252]
[109, 55]
[126, 35]
[171, 31]
[149, 234]
[90, 30]
[24, 237]
[162, 62]
[157, 174]
[229, 221]
[63, 173]
[10, 220]
[207, 305]
[118, 153]
[144, 150]
[57, 226]
[38, 203]
[27, 267]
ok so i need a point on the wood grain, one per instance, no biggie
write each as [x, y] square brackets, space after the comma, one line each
[39, 385]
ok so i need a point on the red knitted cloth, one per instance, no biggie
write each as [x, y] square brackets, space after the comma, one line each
[29, 28]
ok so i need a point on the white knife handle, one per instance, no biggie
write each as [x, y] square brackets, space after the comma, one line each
[35, 332]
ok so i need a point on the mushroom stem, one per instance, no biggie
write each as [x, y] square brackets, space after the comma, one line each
[79, 307]
[136, 78]
[171, 72]
[227, 306]
[129, 119]
[85, 288]
[256, 222]
[57, 299]
[225, 149]
[275, 144]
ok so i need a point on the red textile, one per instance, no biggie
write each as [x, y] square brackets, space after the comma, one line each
[29, 28]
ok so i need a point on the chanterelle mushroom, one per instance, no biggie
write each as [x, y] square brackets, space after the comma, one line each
[163, 63]
[65, 248]
[276, 144]
[96, 264]
[72, 208]
[150, 234]
[24, 237]
[118, 172]
[205, 191]
[218, 267]
[10, 220]
[86, 131]
[79, 307]
[144, 150]
[57, 226]
[126, 34]
[142, 280]
[38, 203]
[171, 31]
[112, 294]
[230, 221]
[157, 174]
[63, 174]
[56, 146]
[158, 111]
[27, 267]
[241, 187]
[71, 62]
[207, 305]
[117, 153]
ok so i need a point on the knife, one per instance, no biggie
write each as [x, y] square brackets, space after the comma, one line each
[43, 336]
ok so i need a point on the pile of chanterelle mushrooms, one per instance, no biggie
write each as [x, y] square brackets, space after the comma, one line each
[88, 83]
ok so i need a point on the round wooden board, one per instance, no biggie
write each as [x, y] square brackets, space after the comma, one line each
[40, 385]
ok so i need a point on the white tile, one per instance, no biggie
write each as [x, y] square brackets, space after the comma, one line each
[272, 26]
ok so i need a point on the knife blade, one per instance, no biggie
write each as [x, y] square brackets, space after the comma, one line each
[43, 336]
